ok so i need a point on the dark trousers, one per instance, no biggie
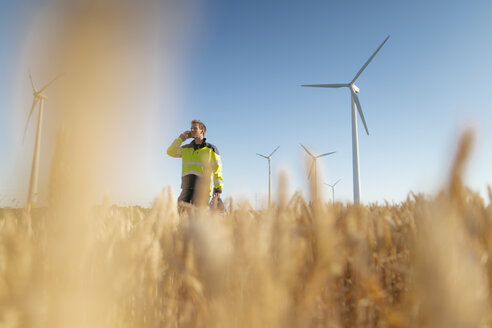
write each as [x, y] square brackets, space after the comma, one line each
[187, 196]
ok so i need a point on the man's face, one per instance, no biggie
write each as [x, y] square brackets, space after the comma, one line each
[196, 132]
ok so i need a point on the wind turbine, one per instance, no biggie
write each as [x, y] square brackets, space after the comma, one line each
[354, 90]
[39, 97]
[269, 173]
[313, 164]
[333, 188]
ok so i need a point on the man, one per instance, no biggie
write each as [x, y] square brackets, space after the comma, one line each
[200, 161]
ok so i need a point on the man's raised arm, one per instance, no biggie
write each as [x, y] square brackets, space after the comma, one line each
[174, 150]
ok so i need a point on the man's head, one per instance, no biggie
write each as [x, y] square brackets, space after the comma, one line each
[198, 129]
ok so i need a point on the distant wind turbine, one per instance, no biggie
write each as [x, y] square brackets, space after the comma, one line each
[39, 97]
[269, 174]
[333, 188]
[314, 164]
[354, 90]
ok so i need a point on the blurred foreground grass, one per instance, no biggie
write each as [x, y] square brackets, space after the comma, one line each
[422, 263]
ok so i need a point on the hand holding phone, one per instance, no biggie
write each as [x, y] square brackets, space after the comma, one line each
[185, 135]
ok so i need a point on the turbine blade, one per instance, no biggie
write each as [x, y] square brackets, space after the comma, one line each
[369, 60]
[49, 83]
[337, 182]
[34, 103]
[32, 82]
[307, 151]
[274, 151]
[262, 155]
[325, 85]
[359, 108]
[325, 154]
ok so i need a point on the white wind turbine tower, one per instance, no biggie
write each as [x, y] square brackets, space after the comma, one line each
[355, 104]
[269, 173]
[333, 189]
[39, 97]
[313, 164]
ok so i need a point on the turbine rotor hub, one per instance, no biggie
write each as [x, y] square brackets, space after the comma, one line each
[39, 95]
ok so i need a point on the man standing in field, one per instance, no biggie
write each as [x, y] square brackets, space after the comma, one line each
[200, 161]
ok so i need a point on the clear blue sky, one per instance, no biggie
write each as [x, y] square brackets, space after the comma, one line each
[241, 71]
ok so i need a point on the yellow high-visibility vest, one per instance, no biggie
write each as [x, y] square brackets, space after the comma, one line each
[196, 158]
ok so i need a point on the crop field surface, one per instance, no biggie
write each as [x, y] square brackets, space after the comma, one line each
[421, 263]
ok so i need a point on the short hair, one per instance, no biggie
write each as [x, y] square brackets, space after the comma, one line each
[200, 124]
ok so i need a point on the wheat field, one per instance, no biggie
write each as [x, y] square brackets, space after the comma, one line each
[421, 263]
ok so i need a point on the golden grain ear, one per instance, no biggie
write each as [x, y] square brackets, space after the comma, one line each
[203, 190]
[282, 189]
[489, 190]
[461, 158]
